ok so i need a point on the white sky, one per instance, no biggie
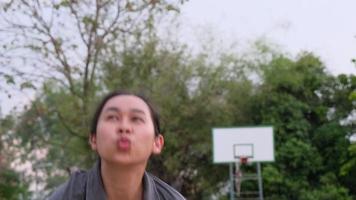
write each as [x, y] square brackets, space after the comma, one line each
[324, 27]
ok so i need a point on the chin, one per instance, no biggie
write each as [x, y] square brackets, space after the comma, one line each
[127, 161]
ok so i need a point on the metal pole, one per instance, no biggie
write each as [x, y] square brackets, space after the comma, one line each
[231, 182]
[260, 188]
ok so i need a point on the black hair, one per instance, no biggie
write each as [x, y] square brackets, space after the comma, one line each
[153, 112]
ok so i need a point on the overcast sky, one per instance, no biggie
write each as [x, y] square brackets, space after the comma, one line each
[325, 27]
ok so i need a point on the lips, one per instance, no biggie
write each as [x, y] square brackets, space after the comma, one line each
[123, 144]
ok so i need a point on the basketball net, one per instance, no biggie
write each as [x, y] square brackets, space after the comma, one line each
[238, 174]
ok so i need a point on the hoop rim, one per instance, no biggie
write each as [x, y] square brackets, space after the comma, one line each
[244, 159]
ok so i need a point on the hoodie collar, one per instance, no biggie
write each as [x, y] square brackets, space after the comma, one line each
[95, 186]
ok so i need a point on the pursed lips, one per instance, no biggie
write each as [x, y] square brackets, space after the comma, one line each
[123, 144]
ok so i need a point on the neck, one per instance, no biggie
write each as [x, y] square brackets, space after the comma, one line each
[122, 182]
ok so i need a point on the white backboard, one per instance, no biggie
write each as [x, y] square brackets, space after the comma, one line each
[256, 143]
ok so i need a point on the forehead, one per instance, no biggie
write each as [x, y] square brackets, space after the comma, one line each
[127, 103]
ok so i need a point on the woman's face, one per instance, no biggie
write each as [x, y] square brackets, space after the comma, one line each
[125, 132]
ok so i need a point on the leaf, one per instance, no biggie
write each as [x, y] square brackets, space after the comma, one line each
[343, 79]
[9, 79]
[87, 20]
[352, 96]
[64, 3]
[56, 6]
[172, 8]
[27, 85]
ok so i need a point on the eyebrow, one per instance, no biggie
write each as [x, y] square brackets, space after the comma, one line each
[117, 110]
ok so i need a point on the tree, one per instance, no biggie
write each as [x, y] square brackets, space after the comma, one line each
[344, 94]
[35, 38]
[61, 46]
[12, 185]
[311, 141]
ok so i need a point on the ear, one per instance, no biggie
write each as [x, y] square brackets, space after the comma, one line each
[158, 144]
[92, 141]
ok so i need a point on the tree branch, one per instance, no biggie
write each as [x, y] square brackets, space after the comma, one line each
[67, 127]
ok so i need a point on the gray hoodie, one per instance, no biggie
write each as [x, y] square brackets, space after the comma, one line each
[88, 185]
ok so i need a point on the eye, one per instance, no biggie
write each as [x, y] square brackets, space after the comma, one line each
[112, 118]
[137, 119]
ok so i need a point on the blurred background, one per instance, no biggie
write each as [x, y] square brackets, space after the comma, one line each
[204, 64]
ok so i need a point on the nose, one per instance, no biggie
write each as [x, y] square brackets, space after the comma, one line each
[124, 127]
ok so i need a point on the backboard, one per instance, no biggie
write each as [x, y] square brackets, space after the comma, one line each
[254, 143]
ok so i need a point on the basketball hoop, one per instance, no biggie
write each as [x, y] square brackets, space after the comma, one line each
[241, 147]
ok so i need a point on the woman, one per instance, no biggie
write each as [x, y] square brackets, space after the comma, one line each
[125, 132]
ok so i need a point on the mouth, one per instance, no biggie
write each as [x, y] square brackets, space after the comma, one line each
[123, 144]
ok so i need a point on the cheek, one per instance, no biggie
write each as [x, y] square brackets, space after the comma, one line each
[149, 131]
[146, 135]
[148, 138]
[103, 133]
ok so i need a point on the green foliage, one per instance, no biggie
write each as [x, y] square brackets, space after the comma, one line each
[325, 193]
[298, 158]
[300, 99]
[350, 164]
[11, 187]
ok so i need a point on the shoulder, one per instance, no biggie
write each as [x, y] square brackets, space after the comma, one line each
[164, 190]
[74, 188]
